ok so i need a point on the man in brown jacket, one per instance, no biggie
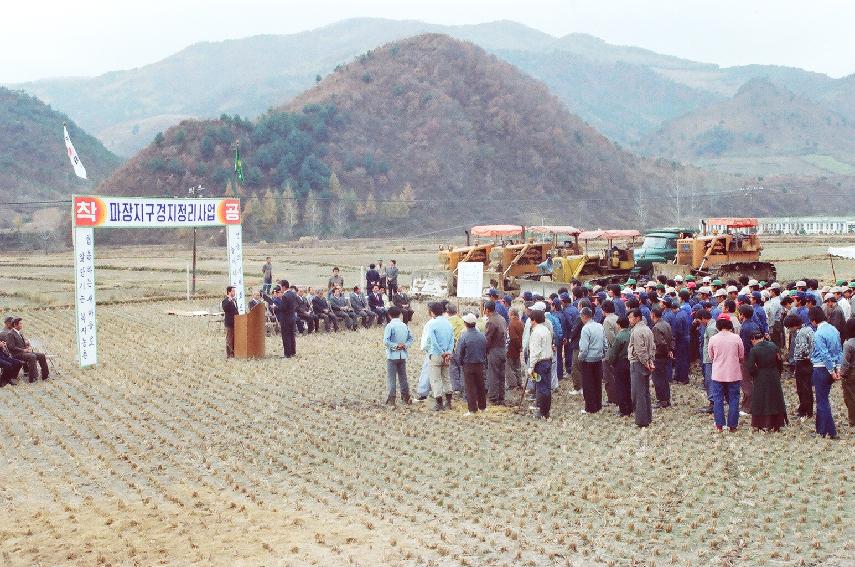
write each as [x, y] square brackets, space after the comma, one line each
[663, 339]
[495, 333]
[642, 353]
[20, 348]
[513, 364]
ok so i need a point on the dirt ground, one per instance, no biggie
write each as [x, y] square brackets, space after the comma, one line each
[168, 454]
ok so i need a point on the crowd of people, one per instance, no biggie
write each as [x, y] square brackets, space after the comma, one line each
[17, 355]
[294, 310]
[612, 342]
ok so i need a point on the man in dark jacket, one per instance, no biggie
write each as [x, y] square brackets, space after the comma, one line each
[21, 349]
[322, 310]
[305, 313]
[663, 340]
[372, 277]
[377, 305]
[230, 309]
[286, 313]
[495, 334]
[471, 355]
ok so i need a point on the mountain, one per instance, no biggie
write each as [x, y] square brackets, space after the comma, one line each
[33, 163]
[764, 129]
[249, 76]
[420, 133]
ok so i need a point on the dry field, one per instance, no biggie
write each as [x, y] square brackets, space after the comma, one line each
[168, 454]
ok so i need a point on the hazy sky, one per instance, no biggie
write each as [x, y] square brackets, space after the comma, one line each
[87, 37]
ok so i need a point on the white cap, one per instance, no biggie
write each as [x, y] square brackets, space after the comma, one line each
[470, 318]
[801, 283]
[628, 291]
[706, 279]
[721, 293]
[539, 306]
[670, 290]
[752, 283]
[775, 285]
[826, 289]
[830, 296]
[678, 278]
[732, 289]
[704, 289]
[651, 283]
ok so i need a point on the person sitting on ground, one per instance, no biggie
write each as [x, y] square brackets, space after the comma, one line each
[321, 308]
[342, 309]
[360, 307]
[378, 305]
[401, 300]
[21, 349]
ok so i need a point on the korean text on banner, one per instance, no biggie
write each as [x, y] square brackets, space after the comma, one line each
[131, 212]
[470, 279]
[234, 241]
[84, 282]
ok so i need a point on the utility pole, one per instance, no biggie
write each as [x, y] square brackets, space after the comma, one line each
[195, 192]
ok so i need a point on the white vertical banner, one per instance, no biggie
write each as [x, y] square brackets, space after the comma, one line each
[470, 279]
[84, 285]
[234, 241]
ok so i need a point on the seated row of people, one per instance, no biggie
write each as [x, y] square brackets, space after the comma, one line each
[336, 311]
[16, 353]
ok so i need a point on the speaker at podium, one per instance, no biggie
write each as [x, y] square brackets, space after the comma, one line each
[249, 333]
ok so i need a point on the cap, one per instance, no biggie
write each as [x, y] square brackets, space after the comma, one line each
[724, 317]
[8, 319]
[691, 285]
[508, 298]
[756, 295]
[762, 283]
[628, 291]
[742, 298]
[775, 285]
[678, 278]
[690, 278]
[801, 283]
[651, 283]
[564, 296]
[706, 279]
[470, 318]
[825, 289]
[602, 296]
[732, 289]
[643, 295]
[841, 282]
[16, 319]
[801, 295]
[667, 301]
[539, 306]
[527, 295]
[630, 281]
[852, 284]
[704, 289]
[721, 293]
[718, 283]
[752, 283]
[493, 292]
[831, 297]
[660, 286]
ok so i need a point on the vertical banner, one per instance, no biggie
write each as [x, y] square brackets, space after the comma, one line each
[234, 241]
[470, 279]
[84, 285]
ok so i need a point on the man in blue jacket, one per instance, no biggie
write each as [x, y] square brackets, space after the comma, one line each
[397, 338]
[826, 357]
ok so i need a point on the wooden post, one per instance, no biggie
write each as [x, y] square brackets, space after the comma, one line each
[833, 273]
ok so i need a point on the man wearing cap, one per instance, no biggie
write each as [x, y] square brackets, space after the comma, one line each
[471, 355]
[833, 313]
[614, 291]
[759, 317]
[500, 310]
[571, 317]
[843, 302]
[681, 327]
[20, 348]
[495, 335]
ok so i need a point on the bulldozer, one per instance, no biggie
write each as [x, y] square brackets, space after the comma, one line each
[725, 249]
[613, 264]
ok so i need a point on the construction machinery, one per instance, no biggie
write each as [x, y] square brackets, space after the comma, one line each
[613, 264]
[659, 247]
[726, 248]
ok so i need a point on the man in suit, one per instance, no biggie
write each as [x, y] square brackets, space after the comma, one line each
[286, 313]
[9, 366]
[229, 311]
[402, 301]
[304, 312]
[377, 305]
[20, 348]
[322, 310]
[360, 307]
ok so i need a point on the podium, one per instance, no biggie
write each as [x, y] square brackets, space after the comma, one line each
[249, 333]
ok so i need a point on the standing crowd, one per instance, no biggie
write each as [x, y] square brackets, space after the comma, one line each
[611, 343]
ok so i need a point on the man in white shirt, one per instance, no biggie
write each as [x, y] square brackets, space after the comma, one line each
[540, 361]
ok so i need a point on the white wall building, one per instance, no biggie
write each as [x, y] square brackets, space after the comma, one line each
[806, 225]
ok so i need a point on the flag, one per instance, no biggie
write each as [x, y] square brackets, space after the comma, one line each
[238, 165]
[79, 170]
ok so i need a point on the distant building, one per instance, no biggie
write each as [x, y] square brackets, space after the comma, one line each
[806, 225]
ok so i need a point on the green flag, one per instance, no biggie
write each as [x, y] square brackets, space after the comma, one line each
[238, 165]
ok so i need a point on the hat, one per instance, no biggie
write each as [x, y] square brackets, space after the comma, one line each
[775, 285]
[527, 295]
[470, 318]
[660, 286]
[742, 298]
[706, 279]
[704, 289]
[801, 283]
[852, 284]
[721, 293]
[831, 297]
[825, 289]
[628, 291]
[667, 301]
[15, 320]
[732, 289]
[756, 295]
[508, 298]
[670, 291]
[602, 296]
[724, 317]
[9, 319]
[651, 283]
[841, 282]
[690, 278]
[762, 283]
[556, 302]
[630, 281]
[752, 283]
[564, 296]
[493, 292]
[539, 306]
[678, 278]
[718, 283]
[691, 285]
[801, 295]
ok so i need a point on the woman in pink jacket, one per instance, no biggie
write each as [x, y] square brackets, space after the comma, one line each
[727, 353]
